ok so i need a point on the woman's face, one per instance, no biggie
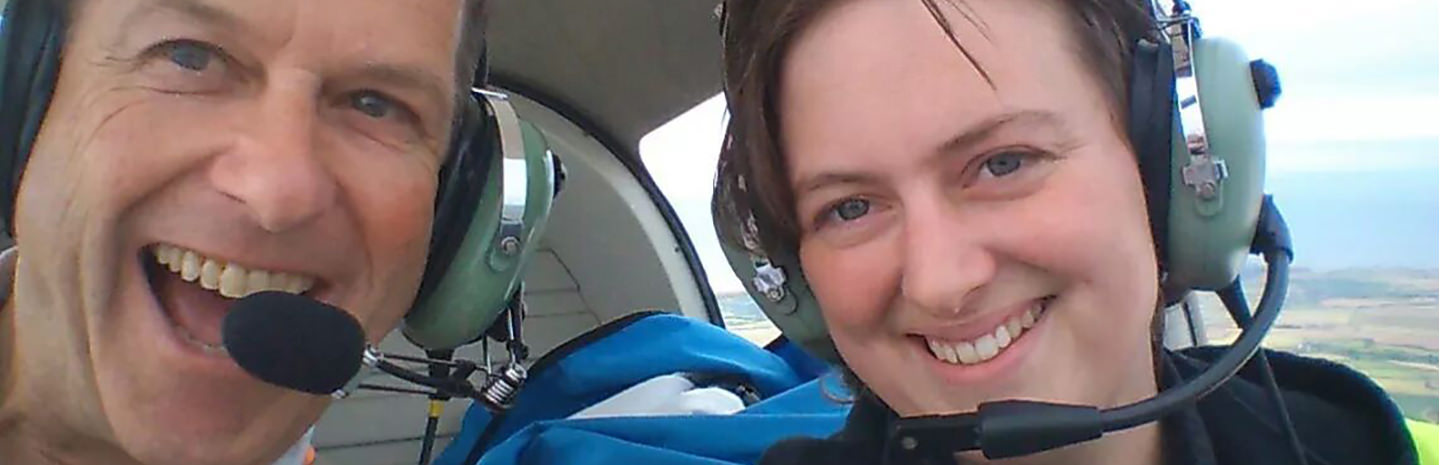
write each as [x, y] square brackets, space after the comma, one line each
[968, 240]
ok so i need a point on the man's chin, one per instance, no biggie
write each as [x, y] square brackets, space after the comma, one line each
[174, 451]
[175, 438]
[167, 402]
[163, 416]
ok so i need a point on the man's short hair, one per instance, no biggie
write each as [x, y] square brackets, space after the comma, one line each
[470, 55]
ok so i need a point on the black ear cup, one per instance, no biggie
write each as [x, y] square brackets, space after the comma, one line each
[1150, 122]
[31, 35]
[472, 142]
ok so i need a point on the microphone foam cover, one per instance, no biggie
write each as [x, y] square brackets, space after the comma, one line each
[293, 341]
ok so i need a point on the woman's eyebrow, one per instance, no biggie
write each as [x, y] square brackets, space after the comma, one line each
[814, 182]
[975, 133]
[962, 142]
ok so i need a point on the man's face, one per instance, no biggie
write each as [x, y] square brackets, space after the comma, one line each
[199, 150]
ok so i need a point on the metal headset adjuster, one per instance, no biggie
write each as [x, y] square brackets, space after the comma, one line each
[512, 148]
[1202, 172]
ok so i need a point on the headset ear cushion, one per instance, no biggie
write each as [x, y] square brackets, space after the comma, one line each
[31, 41]
[472, 144]
[1149, 125]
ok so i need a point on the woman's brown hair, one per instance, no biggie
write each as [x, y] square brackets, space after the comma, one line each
[753, 203]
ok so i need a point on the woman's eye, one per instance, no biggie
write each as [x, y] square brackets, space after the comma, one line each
[372, 104]
[851, 209]
[1004, 163]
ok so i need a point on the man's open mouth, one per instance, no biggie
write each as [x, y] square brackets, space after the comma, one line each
[195, 291]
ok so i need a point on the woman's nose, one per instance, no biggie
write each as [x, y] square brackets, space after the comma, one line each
[946, 261]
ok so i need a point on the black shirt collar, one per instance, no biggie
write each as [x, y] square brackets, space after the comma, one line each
[1186, 440]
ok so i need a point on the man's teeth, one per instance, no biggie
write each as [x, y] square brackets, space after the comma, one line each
[229, 279]
[989, 345]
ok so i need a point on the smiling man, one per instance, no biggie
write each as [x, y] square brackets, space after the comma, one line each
[195, 151]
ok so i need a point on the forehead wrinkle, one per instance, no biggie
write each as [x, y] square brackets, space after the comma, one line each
[189, 8]
[374, 55]
[228, 24]
[146, 9]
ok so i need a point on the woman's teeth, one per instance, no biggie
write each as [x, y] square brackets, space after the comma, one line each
[989, 345]
[228, 279]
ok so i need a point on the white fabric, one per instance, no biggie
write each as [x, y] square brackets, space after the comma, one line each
[296, 454]
[671, 394]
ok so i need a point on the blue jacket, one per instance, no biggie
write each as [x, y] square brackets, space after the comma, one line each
[788, 392]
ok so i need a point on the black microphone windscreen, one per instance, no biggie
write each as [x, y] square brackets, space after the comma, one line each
[294, 341]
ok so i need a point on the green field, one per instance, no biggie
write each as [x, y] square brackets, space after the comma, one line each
[1420, 407]
[1380, 322]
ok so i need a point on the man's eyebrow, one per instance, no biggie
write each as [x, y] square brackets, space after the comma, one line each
[413, 78]
[986, 128]
[192, 9]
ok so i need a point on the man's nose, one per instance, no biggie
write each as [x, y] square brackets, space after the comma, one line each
[946, 260]
[275, 169]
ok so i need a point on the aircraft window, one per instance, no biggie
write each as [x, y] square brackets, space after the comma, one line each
[680, 156]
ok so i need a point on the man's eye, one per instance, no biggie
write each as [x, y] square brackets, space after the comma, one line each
[372, 104]
[189, 54]
[1005, 163]
[850, 209]
[187, 66]
[381, 116]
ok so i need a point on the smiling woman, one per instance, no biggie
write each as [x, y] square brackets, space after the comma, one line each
[1351, 159]
[931, 213]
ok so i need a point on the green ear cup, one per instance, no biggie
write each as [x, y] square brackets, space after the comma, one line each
[1210, 235]
[785, 297]
[504, 233]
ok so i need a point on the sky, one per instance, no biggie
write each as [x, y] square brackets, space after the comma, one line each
[1354, 141]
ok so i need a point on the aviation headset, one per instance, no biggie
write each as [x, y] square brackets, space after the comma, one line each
[1194, 122]
[489, 210]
